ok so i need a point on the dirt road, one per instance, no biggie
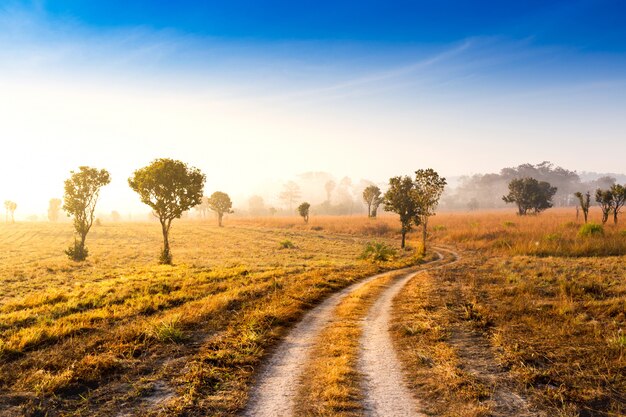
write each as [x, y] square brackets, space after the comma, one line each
[278, 382]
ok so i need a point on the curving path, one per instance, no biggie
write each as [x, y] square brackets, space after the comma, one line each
[385, 394]
[278, 381]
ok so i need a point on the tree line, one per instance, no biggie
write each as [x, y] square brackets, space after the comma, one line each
[533, 196]
[170, 187]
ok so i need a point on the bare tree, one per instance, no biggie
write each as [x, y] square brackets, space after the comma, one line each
[329, 187]
[585, 202]
[290, 194]
[10, 207]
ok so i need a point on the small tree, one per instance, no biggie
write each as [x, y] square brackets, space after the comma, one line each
[619, 199]
[82, 190]
[170, 188]
[371, 196]
[530, 195]
[428, 189]
[203, 208]
[256, 205]
[10, 207]
[400, 199]
[303, 210]
[54, 208]
[605, 199]
[220, 203]
[290, 193]
[329, 187]
[585, 202]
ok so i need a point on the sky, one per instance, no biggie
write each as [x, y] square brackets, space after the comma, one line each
[256, 92]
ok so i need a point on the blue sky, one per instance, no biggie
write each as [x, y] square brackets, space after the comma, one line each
[365, 89]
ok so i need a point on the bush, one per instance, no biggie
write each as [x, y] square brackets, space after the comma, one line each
[509, 224]
[77, 252]
[377, 252]
[287, 244]
[590, 229]
[169, 330]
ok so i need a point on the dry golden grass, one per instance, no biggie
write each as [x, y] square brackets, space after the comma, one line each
[543, 309]
[121, 332]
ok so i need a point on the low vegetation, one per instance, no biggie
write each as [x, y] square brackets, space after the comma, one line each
[121, 332]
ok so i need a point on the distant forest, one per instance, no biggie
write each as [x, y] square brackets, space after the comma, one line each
[484, 191]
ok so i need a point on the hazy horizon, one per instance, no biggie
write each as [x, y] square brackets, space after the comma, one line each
[362, 91]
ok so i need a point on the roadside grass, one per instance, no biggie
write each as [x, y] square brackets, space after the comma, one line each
[97, 337]
[554, 322]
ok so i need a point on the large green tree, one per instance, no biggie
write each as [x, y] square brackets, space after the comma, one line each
[220, 203]
[82, 190]
[428, 189]
[372, 197]
[400, 199]
[530, 195]
[170, 188]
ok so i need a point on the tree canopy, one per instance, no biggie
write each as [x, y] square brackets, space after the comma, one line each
[530, 195]
[170, 188]
[220, 203]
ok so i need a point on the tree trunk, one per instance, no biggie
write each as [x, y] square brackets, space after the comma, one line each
[166, 256]
[615, 216]
[219, 219]
[585, 214]
[403, 239]
[369, 210]
[424, 225]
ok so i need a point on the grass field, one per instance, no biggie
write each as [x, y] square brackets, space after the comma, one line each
[120, 332]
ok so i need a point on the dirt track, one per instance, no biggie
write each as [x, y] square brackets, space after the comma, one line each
[277, 384]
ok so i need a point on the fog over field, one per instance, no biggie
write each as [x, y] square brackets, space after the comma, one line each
[256, 111]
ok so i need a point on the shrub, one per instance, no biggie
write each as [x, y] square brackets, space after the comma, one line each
[76, 252]
[286, 244]
[590, 229]
[509, 224]
[439, 228]
[317, 228]
[377, 252]
[168, 330]
[623, 233]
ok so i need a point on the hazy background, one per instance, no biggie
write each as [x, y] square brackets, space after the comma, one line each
[256, 94]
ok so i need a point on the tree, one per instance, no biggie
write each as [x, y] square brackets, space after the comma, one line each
[82, 190]
[619, 199]
[170, 188]
[605, 199]
[290, 193]
[530, 195]
[116, 216]
[54, 208]
[303, 210]
[256, 205]
[428, 189]
[400, 199]
[272, 211]
[473, 204]
[220, 203]
[203, 208]
[585, 201]
[371, 196]
[10, 207]
[329, 187]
